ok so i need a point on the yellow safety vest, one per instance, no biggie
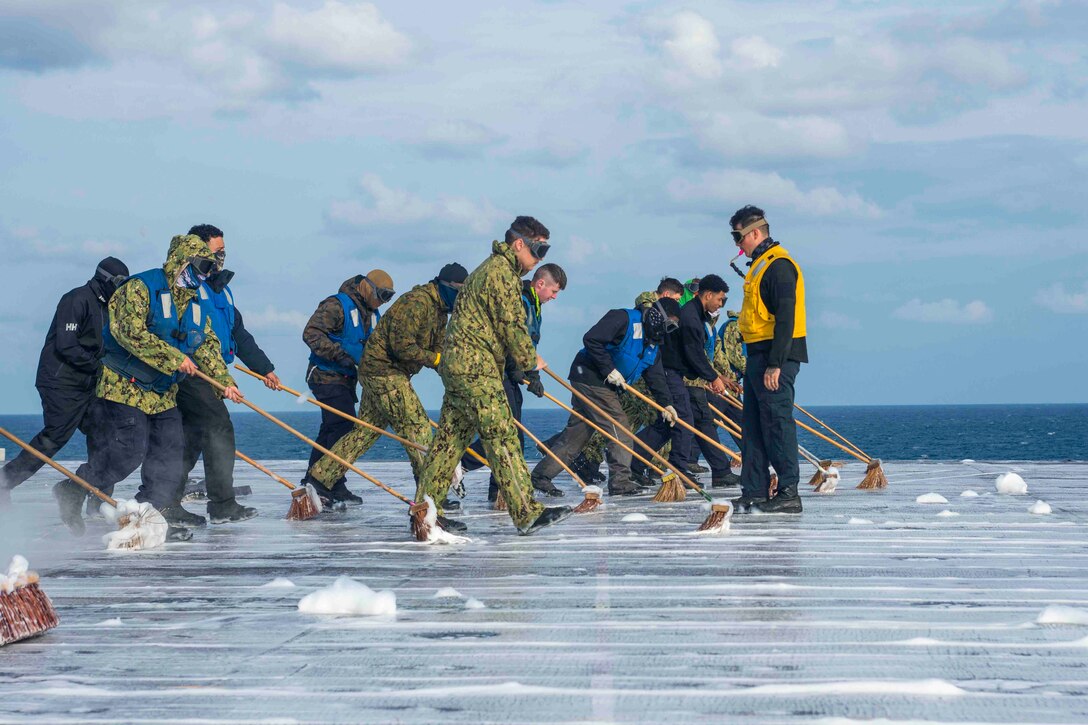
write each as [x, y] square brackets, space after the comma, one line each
[756, 322]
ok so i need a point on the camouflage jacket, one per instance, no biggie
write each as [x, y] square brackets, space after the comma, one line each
[328, 319]
[129, 309]
[488, 321]
[729, 357]
[409, 336]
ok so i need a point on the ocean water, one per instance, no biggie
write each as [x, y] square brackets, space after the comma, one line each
[896, 433]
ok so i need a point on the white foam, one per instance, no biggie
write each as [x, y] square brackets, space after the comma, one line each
[858, 522]
[347, 596]
[635, 518]
[830, 483]
[474, 604]
[931, 498]
[592, 488]
[1040, 508]
[919, 642]
[1011, 484]
[967, 460]
[438, 535]
[969, 494]
[936, 688]
[948, 514]
[1057, 614]
[448, 593]
[115, 622]
[145, 527]
[279, 583]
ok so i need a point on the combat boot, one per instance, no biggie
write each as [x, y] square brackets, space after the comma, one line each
[179, 517]
[547, 488]
[744, 504]
[451, 504]
[175, 533]
[642, 478]
[725, 480]
[696, 468]
[230, 512]
[549, 516]
[627, 489]
[340, 492]
[780, 504]
[70, 500]
[452, 525]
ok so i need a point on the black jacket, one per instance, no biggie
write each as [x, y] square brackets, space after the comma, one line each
[778, 288]
[592, 364]
[247, 350]
[73, 346]
[692, 335]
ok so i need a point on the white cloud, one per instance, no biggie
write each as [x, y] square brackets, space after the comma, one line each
[734, 186]
[1057, 298]
[945, 311]
[754, 52]
[271, 318]
[103, 246]
[337, 37]
[456, 137]
[743, 134]
[386, 205]
[692, 45]
[837, 320]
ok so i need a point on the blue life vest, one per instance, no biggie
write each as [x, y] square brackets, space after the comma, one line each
[711, 340]
[352, 338]
[219, 308]
[532, 316]
[186, 335]
[633, 355]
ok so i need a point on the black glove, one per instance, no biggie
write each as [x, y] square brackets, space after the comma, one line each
[516, 376]
[536, 385]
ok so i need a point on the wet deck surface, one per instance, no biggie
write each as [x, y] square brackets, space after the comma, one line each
[868, 606]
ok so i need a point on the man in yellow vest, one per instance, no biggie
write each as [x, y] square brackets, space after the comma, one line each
[772, 324]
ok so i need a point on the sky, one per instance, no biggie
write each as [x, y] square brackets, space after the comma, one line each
[923, 161]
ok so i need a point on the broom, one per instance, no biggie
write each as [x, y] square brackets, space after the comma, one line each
[716, 443]
[423, 514]
[139, 525]
[25, 610]
[828, 476]
[592, 493]
[305, 503]
[874, 473]
[715, 519]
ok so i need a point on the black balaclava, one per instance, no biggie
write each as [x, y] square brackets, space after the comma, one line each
[110, 273]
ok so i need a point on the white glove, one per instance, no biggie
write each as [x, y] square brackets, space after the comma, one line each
[616, 378]
[455, 482]
[670, 415]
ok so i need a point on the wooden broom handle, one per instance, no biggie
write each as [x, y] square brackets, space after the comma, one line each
[605, 433]
[342, 414]
[725, 423]
[547, 450]
[653, 454]
[262, 469]
[469, 451]
[46, 459]
[835, 432]
[218, 386]
[717, 444]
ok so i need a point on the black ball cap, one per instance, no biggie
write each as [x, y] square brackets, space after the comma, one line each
[453, 273]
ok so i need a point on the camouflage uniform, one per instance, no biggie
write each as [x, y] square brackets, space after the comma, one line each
[488, 324]
[729, 357]
[408, 338]
[133, 426]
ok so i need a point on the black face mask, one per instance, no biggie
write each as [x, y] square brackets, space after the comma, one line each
[219, 280]
[654, 325]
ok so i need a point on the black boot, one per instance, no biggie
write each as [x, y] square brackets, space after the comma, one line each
[696, 468]
[69, 498]
[340, 492]
[229, 512]
[179, 517]
[452, 525]
[550, 516]
[642, 478]
[451, 504]
[780, 504]
[744, 504]
[627, 489]
[547, 488]
[725, 480]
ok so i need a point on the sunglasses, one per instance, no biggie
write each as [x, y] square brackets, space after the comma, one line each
[742, 233]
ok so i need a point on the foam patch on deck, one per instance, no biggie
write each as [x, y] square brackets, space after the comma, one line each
[437, 534]
[347, 596]
[1040, 508]
[1011, 484]
[931, 498]
[1057, 614]
[142, 526]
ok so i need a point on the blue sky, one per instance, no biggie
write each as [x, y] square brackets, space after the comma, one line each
[924, 161]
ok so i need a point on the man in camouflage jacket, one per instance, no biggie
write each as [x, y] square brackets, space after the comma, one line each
[407, 339]
[488, 324]
[132, 424]
[729, 361]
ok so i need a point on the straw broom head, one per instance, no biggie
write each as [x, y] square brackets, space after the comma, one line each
[671, 489]
[874, 476]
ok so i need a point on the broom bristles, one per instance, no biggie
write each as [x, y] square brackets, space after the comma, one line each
[421, 527]
[717, 521]
[591, 501]
[772, 490]
[25, 612]
[500, 503]
[874, 476]
[671, 489]
[303, 506]
[819, 477]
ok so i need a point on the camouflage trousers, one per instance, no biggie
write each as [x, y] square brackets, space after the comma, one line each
[639, 415]
[476, 404]
[386, 401]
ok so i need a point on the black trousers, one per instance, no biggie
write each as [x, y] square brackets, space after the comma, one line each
[516, 399]
[704, 423]
[63, 411]
[120, 438]
[655, 434]
[344, 398]
[208, 431]
[770, 435]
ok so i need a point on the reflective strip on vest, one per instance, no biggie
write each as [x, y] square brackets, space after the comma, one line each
[756, 323]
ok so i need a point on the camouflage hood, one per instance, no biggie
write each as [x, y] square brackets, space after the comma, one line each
[645, 299]
[352, 288]
[182, 247]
